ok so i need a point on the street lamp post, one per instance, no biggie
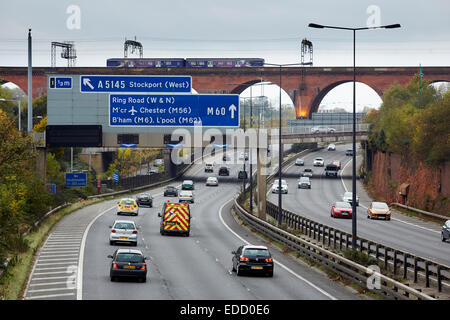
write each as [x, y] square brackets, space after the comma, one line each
[280, 152]
[319, 26]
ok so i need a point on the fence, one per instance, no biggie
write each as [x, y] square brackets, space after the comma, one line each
[348, 269]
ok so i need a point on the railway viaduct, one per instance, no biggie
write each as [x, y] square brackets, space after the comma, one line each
[306, 86]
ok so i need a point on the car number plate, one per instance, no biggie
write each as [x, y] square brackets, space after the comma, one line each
[257, 268]
[129, 267]
[344, 213]
[124, 238]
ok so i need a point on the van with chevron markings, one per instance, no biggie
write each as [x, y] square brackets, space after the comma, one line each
[175, 218]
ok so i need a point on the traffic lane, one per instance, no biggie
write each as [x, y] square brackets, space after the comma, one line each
[317, 206]
[178, 268]
[292, 279]
[213, 239]
[169, 254]
[96, 282]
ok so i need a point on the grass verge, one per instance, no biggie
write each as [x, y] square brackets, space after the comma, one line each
[15, 277]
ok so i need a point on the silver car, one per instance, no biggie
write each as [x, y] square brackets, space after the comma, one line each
[212, 181]
[445, 234]
[348, 197]
[123, 231]
[304, 183]
[185, 195]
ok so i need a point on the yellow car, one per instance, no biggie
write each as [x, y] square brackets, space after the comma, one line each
[127, 206]
[378, 210]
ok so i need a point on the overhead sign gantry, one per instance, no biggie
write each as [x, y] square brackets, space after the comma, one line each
[111, 110]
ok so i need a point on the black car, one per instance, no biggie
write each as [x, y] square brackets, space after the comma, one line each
[445, 233]
[187, 185]
[224, 171]
[144, 199]
[250, 258]
[349, 152]
[170, 191]
[242, 174]
[129, 263]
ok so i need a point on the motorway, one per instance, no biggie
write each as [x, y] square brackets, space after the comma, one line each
[197, 267]
[402, 232]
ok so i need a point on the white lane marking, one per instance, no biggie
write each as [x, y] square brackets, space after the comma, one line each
[81, 257]
[395, 219]
[278, 263]
[83, 245]
[50, 296]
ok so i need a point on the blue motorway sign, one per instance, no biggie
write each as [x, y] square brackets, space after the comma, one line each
[76, 179]
[115, 176]
[165, 84]
[178, 110]
[60, 83]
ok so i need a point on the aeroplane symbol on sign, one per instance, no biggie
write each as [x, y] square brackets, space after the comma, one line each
[132, 111]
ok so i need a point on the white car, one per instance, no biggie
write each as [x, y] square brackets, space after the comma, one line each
[212, 181]
[185, 195]
[123, 231]
[348, 197]
[322, 129]
[318, 162]
[284, 186]
[209, 167]
[331, 147]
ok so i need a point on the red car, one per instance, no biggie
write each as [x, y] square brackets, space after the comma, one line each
[341, 210]
[337, 163]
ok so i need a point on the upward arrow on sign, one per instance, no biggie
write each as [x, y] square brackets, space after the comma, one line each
[232, 108]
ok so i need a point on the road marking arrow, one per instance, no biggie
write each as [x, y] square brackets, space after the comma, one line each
[87, 82]
[232, 108]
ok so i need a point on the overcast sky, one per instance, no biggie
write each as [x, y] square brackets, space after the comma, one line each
[265, 29]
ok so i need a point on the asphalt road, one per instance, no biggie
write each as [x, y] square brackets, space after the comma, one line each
[199, 266]
[405, 233]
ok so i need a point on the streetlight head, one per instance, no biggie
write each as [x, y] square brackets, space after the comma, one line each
[392, 26]
[315, 25]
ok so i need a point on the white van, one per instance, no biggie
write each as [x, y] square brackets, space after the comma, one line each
[209, 167]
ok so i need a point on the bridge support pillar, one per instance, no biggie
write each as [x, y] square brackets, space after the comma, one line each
[169, 166]
[41, 163]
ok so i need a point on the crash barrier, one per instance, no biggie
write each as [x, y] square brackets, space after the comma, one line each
[407, 265]
[362, 276]
[425, 213]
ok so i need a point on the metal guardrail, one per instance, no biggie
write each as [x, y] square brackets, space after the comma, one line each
[348, 269]
[363, 127]
[425, 213]
[408, 265]
[411, 266]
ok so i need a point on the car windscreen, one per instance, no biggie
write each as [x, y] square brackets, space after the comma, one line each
[144, 196]
[343, 205]
[256, 252]
[307, 170]
[304, 180]
[129, 257]
[380, 205]
[128, 202]
[123, 225]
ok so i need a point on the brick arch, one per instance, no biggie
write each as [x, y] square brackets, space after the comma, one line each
[39, 83]
[322, 93]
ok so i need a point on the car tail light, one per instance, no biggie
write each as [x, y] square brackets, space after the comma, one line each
[134, 232]
[121, 207]
[144, 266]
[269, 260]
[243, 259]
[114, 265]
[113, 231]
